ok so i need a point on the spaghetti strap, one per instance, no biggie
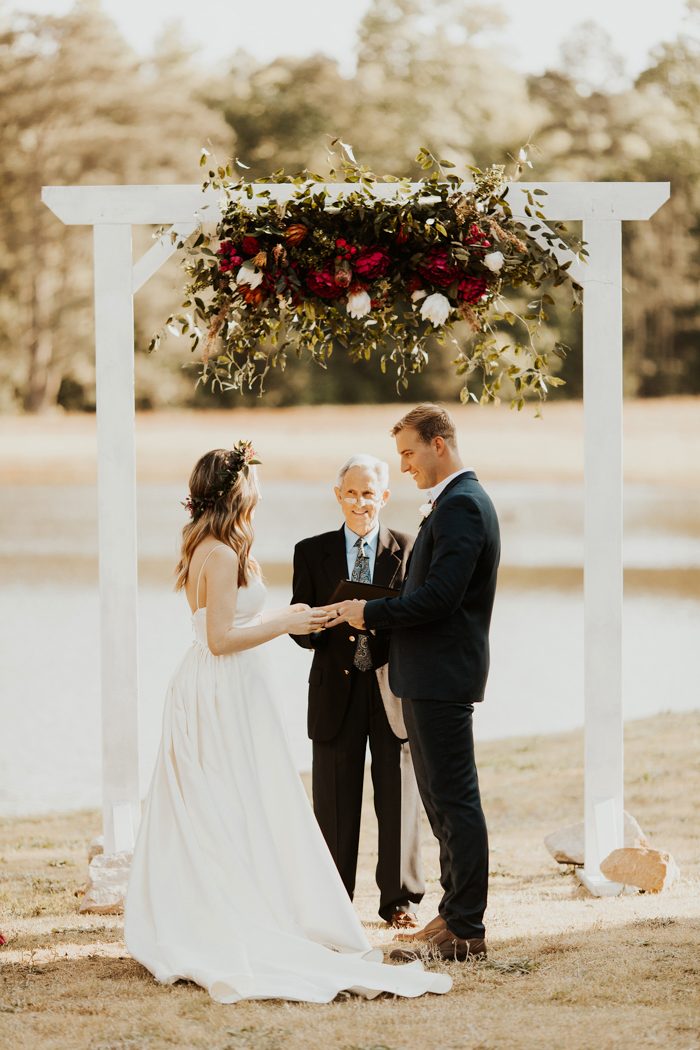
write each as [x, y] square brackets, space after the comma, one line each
[201, 570]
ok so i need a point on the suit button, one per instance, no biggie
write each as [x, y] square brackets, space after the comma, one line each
[351, 638]
[346, 671]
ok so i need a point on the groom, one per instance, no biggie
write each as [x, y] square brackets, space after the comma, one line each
[438, 663]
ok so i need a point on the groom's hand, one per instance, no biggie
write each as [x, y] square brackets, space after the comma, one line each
[351, 611]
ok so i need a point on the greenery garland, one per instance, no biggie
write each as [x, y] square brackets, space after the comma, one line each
[374, 276]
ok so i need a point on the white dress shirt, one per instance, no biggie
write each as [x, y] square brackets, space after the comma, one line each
[435, 491]
[371, 541]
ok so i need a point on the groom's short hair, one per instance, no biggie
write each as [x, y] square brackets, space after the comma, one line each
[430, 421]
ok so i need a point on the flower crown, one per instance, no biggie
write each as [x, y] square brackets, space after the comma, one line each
[238, 461]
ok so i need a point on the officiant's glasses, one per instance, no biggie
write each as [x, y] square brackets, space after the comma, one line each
[362, 501]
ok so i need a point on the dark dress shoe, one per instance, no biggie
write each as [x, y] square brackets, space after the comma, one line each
[434, 926]
[444, 944]
[402, 918]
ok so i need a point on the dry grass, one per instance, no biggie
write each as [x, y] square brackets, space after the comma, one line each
[563, 969]
[662, 442]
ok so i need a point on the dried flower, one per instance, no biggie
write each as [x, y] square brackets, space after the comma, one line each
[343, 274]
[212, 333]
[295, 233]
[252, 296]
[470, 316]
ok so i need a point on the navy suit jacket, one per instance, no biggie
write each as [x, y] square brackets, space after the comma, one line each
[320, 563]
[439, 646]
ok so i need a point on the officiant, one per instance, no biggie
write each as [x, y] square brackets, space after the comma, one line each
[350, 703]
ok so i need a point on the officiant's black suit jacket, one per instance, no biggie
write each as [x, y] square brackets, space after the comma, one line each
[320, 563]
[440, 622]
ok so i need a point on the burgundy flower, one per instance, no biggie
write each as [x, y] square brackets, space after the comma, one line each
[471, 289]
[228, 256]
[414, 283]
[476, 237]
[437, 267]
[250, 245]
[371, 263]
[322, 283]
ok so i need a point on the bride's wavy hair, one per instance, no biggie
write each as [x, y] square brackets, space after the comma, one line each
[223, 495]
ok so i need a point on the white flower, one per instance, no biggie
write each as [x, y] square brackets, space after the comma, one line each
[249, 275]
[420, 293]
[436, 308]
[494, 261]
[425, 509]
[359, 304]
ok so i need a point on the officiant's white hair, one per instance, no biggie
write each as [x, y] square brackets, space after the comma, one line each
[363, 459]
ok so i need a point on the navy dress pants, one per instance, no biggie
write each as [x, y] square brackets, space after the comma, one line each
[442, 746]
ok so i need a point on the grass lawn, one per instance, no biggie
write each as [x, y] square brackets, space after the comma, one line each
[564, 970]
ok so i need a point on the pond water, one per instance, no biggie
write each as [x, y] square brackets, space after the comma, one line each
[49, 653]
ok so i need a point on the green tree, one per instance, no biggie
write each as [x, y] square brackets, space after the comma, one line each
[78, 107]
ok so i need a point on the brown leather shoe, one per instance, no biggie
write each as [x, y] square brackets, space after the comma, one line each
[435, 925]
[402, 919]
[444, 944]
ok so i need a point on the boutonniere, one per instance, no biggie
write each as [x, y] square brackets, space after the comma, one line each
[425, 510]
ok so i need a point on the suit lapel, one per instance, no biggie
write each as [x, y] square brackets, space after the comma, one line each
[335, 562]
[387, 564]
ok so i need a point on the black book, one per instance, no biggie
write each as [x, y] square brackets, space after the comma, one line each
[348, 589]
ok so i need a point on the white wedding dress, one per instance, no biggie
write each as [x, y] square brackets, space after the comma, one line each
[232, 885]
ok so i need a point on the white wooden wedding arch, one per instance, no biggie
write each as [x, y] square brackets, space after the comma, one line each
[112, 211]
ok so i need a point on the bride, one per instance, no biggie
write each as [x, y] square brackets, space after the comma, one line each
[232, 885]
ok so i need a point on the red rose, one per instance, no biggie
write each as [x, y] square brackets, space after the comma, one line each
[322, 283]
[250, 245]
[371, 263]
[401, 235]
[414, 283]
[476, 237]
[437, 268]
[471, 289]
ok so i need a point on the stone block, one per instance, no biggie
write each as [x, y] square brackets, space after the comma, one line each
[567, 844]
[651, 870]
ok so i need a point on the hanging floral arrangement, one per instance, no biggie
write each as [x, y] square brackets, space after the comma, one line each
[371, 275]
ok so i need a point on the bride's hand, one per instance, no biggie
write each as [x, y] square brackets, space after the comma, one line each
[302, 619]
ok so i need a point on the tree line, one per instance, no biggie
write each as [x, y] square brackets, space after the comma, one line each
[80, 107]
